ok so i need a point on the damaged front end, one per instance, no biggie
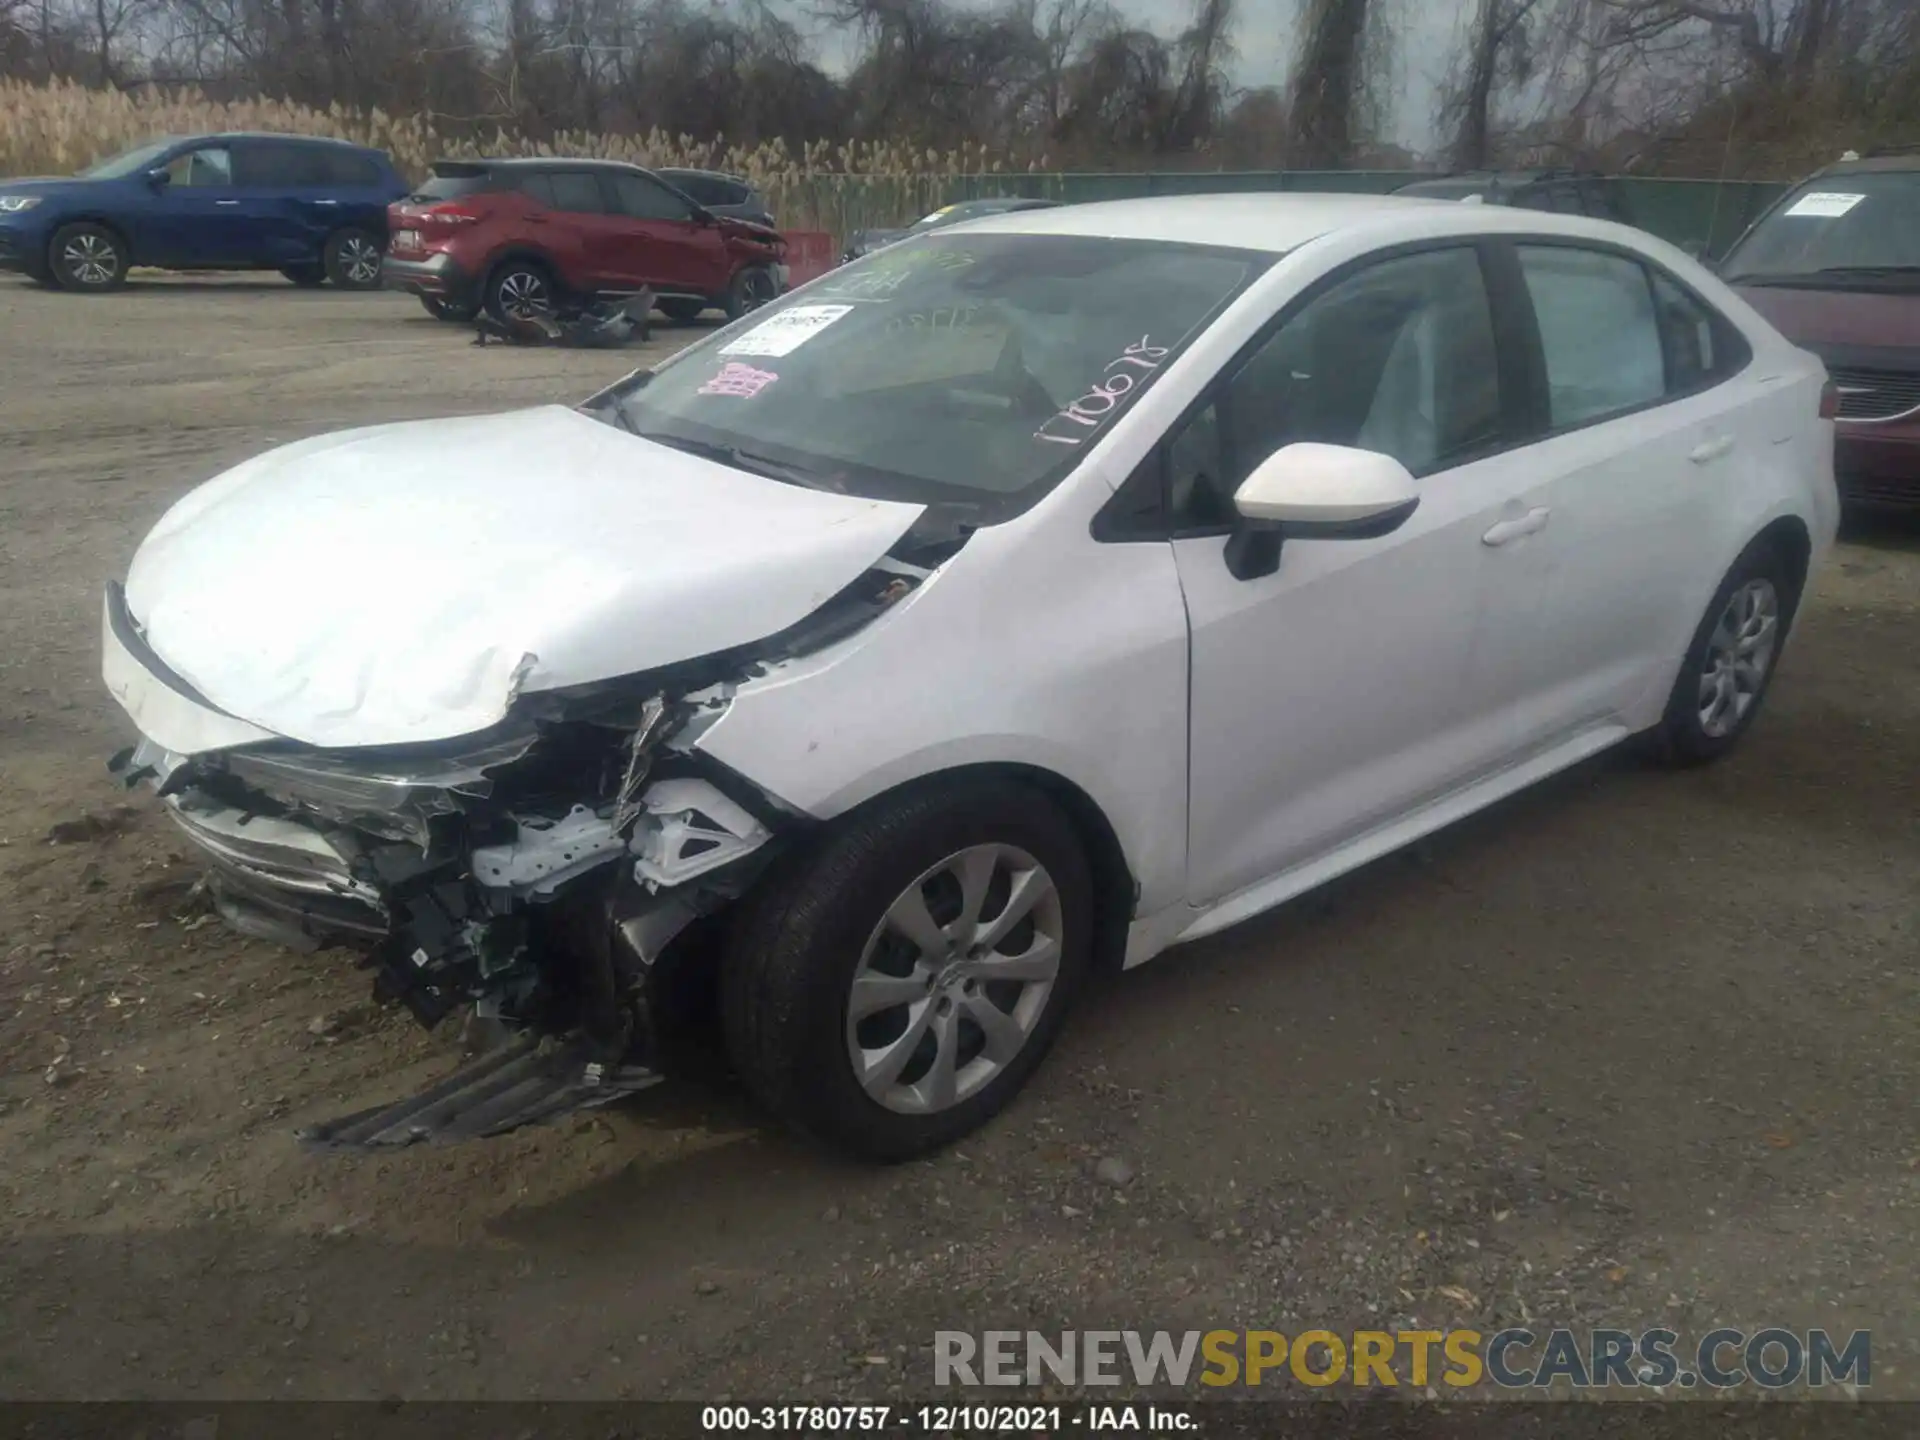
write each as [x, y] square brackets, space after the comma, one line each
[534, 875]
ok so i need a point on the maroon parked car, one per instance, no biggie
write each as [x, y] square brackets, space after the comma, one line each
[520, 237]
[1835, 265]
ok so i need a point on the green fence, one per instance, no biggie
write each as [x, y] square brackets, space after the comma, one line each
[1701, 215]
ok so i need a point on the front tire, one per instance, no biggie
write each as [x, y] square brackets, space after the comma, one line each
[1731, 660]
[88, 258]
[751, 288]
[351, 259]
[891, 988]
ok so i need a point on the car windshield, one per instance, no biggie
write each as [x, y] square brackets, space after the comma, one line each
[952, 370]
[128, 162]
[1839, 230]
[968, 210]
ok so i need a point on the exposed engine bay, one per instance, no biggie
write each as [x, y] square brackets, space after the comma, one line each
[534, 876]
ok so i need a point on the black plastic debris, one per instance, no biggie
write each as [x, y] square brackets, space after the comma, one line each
[524, 1082]
[603, 326]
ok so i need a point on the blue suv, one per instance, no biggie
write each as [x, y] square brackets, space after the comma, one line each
[313, 209]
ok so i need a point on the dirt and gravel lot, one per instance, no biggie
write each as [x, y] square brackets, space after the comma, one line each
[1637, 1049]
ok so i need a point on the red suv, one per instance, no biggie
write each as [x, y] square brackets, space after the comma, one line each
[525, 236]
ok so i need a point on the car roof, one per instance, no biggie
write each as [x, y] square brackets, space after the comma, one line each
[327, 140]
[1876, 164]
[534, 162]
[702, 174]
[1277, 223]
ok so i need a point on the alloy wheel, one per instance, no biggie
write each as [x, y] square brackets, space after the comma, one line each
[760, 289]
[1740, 652]
[523, 295]
[91, 258]
[954, 979]
[360, 258]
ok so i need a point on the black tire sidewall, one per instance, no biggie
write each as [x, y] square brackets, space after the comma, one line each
[786, 1002]
[452, 311]
[737, 292]
[334, 261]
[1680, 736]
[58, 270]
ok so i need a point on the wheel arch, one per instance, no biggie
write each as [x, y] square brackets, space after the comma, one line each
[120, 231]
[1115, 888]
[525, 254]
[1789, 538]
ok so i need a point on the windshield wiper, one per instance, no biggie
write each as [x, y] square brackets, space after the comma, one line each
[1788, 280]
[1868, 270]
[735, 457]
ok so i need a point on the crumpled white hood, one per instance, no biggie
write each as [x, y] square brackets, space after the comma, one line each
[403, 583]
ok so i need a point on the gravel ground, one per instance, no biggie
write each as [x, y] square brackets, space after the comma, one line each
[1636, 1049]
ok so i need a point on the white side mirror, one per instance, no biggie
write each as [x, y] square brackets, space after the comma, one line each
[1316, 492]
[1324, 488]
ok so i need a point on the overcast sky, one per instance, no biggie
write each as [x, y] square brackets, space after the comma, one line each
[1263, 40]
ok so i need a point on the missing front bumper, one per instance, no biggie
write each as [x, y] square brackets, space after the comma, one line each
[528, 1081]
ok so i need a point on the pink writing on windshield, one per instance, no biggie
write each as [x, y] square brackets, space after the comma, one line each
[1125, 374]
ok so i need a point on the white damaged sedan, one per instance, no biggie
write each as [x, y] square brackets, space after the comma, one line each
[1029, 596]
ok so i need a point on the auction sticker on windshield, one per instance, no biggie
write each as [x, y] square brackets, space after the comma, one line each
[786, 332]
[1824, 204]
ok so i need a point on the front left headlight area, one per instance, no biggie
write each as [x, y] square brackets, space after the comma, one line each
[14, 204]
[535, 873]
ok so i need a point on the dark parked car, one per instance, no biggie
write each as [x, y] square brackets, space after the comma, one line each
[1568, 192]
[1835, 265]
[723, 194]
[313, 209]
[524, 237]
[865, 242]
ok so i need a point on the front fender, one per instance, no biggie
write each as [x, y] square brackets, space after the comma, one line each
[1071, 661]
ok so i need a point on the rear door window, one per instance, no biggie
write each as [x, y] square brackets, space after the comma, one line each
[345, 170]
[1598, 331]
[536, 185]
[576, 191]
[267, 166]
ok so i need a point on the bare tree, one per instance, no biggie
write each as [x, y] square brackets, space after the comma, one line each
[1497, 50]
[1328, 83]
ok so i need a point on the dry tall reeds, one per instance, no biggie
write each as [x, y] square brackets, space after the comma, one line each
[59, 128]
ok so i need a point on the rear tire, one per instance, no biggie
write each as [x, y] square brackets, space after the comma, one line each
[751, 288]
[831, 928]
[457, 312]
[1731, 660]
[351, 259]
[683, 312]
[88, 258]
[520, 290]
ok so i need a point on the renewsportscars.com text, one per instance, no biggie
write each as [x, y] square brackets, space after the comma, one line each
[1515, 1359]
